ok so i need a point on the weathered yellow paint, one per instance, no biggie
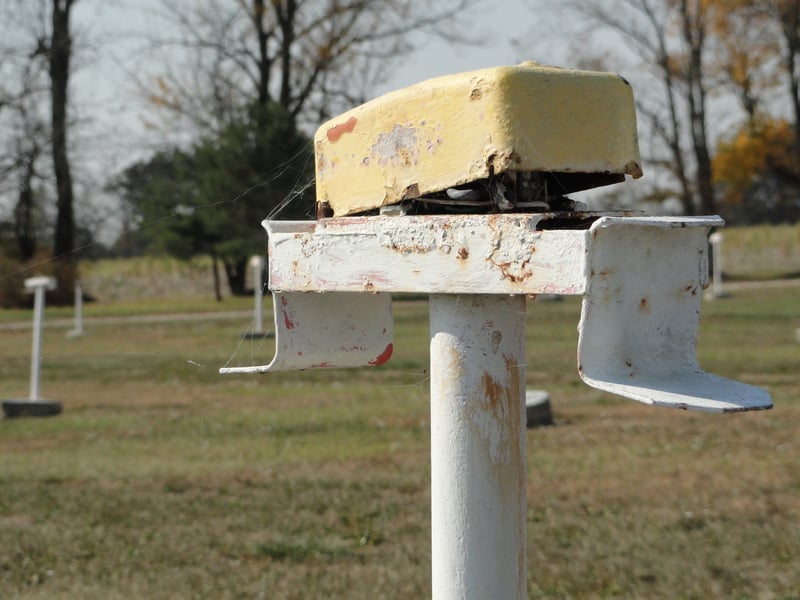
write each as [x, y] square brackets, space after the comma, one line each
[460, 128]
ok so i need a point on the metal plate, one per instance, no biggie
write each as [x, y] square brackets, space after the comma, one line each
[328, 330]
[638, 327]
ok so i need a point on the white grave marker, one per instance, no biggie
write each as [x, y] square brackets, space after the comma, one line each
[35, 406]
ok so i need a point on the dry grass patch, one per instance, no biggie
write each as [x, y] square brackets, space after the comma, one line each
[163, 479]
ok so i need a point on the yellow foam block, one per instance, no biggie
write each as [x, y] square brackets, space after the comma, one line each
[460, 128]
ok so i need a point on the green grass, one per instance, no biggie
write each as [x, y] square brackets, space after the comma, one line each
[163, 479]
[761, 252]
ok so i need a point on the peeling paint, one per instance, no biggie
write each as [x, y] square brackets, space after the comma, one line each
[460, 253]
[415, 237]
[497, 337]
[397, 147]
[287, 320]
[513, 249]
[383, 357]
[337, 131]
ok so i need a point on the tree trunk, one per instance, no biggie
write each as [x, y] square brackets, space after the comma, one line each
[60, 53]
[790, 21]
[693, 31]
[674, 135]
[236, 271]
[671, 132]
[215, 274]
[286, 16]
[264, 60]
[23, 212]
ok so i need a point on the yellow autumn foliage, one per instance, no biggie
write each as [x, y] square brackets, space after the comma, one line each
[752, 154]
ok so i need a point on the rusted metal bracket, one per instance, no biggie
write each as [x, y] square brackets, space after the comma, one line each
[331, 330]
[641, 278]
[640, 314]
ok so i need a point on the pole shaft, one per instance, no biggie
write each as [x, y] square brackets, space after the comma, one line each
[478, 447]
[717, 274]
[78, 308]
[258, 285]
[38, 312]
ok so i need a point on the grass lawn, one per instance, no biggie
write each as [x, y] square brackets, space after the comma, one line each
[163, 479]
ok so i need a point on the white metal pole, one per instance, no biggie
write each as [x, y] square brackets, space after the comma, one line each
[478, 501]
[257, 263]
[38, 312]
[715, 239]
[78, 310]
[717, 269]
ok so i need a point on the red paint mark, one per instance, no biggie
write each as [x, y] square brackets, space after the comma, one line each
[334, 133]
[383, 357]
[286, 319]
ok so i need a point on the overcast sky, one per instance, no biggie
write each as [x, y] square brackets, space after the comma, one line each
[114, 114]
[104, 81]
[497, 22]
[107, 101]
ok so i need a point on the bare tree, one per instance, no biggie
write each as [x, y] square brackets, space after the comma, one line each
[23, 131]
[669, 40]
[786, 15]
[693, 20]
[745, 54]
[645, 26]
[39, 50]
[310, 57]
[59, 52]
[29, 150]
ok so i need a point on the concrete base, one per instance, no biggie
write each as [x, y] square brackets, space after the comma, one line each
[31, 408]
[537, 408]
[253, 335]
[710, 294]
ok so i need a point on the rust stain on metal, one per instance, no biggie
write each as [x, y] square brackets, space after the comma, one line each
[411, 191]
[324, 210]
[503, 405]
[383, 357]
[633, 169]
[496, 396]
[506, 255]
[463, 253]
[644, 305]
[505, 270]
[337, 131]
